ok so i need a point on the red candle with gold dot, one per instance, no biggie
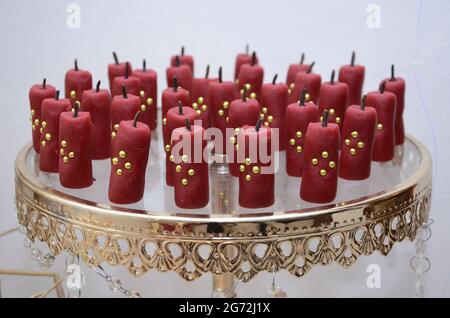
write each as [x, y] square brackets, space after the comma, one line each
[256, 178]
[241, 59]
[357, 141]
[184, 60]
[37, 94]
[251, 76]
[97, 102]
[75, 139]
[76, 82]
[220, 95]
[200, 103]
[183, 74]
[353, 76]
[129, 156]
[176, 117]
[294, 69]
[333, 97]
[396, 85]
[320, 169]
[131, 83]
[123, 107]
[191, 180]
[50, 111]
[298, 117]
[148, 94]
[242, 112]
[117, 69]
[305, 80]
[274, 100]
[384, 140]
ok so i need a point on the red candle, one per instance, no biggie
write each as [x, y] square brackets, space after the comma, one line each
[123, 107]
[176, 117]
[298, 117]
[241, 59]
[97, 102]
[256, 179]
[50, 112]
[333, 97]
[117, 69]
[274, 99]
[191, 181]
[357, 145]
[183, 74]
[76, 82]
[37, 94]
[170, 98]
[200, 97]
[396, 85]
[129, 151]
[251, 76]
[353, 76]
[242, 112]
[294, 69]
[148, 93]
[220, 95]
[305, 80]
[184, 60]
[131, 83]
[384, 140]
[75, 139]
[320, 169]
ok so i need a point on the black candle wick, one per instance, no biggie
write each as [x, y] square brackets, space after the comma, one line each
[207, 71]
[220, 74]
[382, 87]
[352, 61]
[124, 91]
[253, 58]
[302, 97]
[247, 49]
[325, 118]
[116, 60]
[177, 61]
[188, 124]
[392, 72]
[182, 51]
[127, 66]
[180, 108]
[363, 102]
[44, 83]
[311, 67]
[175, 83]
[332, 76]
[136, 117]
[244, 93]
[144, 65]
[76, 108]
[258, 124]
[274, 80]
[57, 95]
[76, 65]
[302, 58]
[97, 88]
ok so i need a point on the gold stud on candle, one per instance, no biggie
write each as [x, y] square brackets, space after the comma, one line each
[142, 94]
[233, 140]
[171, 158]
[119, 172]
[241, 168]
[204, 108]
[360, 144]
[48, 137]
[143, 108]
[44, 123]
[332, 111]
[248, 161]
[332, 164]
[195, 106]
[63, 143]
[127, 165]
[178, 168]
[324, 154]
[167, 148]
[200, 100]
[354, 134]
[248, 177]
[116, 127]
[164, 121]
[71, 155]
[191, 172]
[292, 85]
[220, 112]
[255, 169]
[253, 95]
[323, 172]
[270, 119]
[65, 159]
[43, 143]
[380, 126]
[61, 151]
[292, 142]
[338, 120]
[114, 161]
[347, 142]
[113, 135]
[184, 158]
[73, 94]
[149, 101]
[184, 182]
[226, 104]
[314, 161]
[299, 149]
[264, 110]
[36, 122]
[353, 151]
[237, 130]
[122, 154]
[298, 134]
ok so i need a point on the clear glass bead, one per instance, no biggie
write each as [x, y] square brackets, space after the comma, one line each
[115, 284]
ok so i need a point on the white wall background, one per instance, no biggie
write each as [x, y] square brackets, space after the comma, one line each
[415, 35]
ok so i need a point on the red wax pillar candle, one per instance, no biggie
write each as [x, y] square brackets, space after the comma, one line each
[396, 85]
[117, 69]
[131, 83]
[191, 181]
[353, 76]
[184, 60]
[97, 102]
[50, 112]
[294, 69]
[220, 95]
[333, 97]
[256, 178]
[384, 140]
[75, 139]
[274, 100]
[183, 74]
[200, 97]
[76, 82]
[305, 80]
[129, 152]
[357, 145]
[123, 107]
[320, 169]
[298, 117]
[242, 112]
[176, 117]
[37, 94]
[251, 76]
[148, 94]
[241, 59]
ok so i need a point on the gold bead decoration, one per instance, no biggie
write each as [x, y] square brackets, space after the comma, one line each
[142, 94]
[266, 124]
[261, 116]
[44, 123]
[73, 94]
[332, 111]
[116, 127]
[323, 172]
[113, 134]
[307, 97]
[255, 169]
[164, 121]
[198, 112]
[114, 161]
[338, 120]
[241, 168]
[233, 140]
[65, 159]
[204, 108]
[184, 158]
[352, 151]
[270, 119]
[380, 126]
[127, 165]
[292, 141]
[248, 177]
[143, 108]
[354, 134]
[325, 154]
[178, 168]
[298, 134]
[191, 172]
[195, 106]
[347, 141]
[41, 130]
[237, 130]
[61, 151]
[36, 122]
[149, 101]
[33, 112]
[236, 146]
[264, 110]
[167, 148]
[63, 143]
[200, 100]
[119, 172]
[122, 154]
[171, 158]
[43, 143]
[220, 112]
[299, 149]
[227, 119]
[332, 164]
[226, 104]
[248, 86]
[184, 182]
[33, 127]
[253, 95]
[289, 91]
[247, 161]
[71, 155]
[314, 161]
[48, 136]
[291, 86]
[360, 145]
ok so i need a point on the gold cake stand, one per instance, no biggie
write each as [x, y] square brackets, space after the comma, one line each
[224, 244]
